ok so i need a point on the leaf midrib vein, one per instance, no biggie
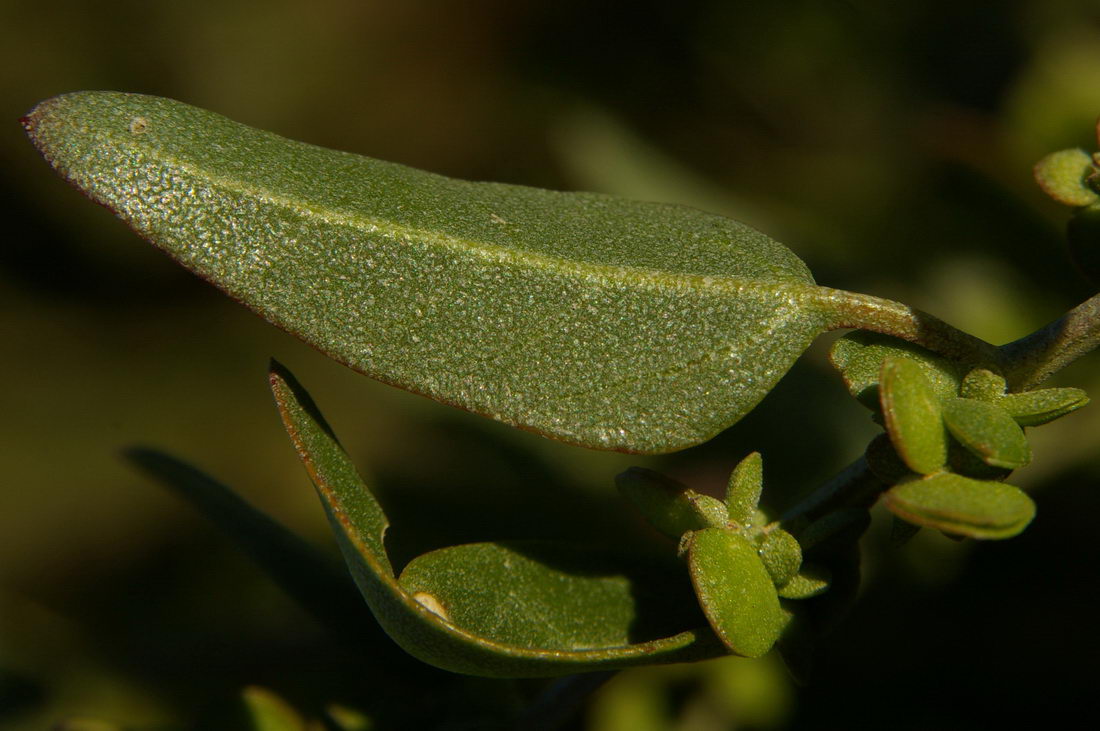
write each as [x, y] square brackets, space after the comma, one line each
[360, 221]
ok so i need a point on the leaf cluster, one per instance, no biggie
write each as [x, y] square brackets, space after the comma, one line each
[950, 439]
[602, 322]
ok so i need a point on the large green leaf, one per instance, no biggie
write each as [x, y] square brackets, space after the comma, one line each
[463, 628]
[599, 321]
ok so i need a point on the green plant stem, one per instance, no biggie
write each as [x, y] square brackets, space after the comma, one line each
[853, 487]
[1034, 358]
[866, 312]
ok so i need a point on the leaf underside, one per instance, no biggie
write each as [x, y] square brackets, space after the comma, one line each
[452, 614]
[599, 321]
[962, 506]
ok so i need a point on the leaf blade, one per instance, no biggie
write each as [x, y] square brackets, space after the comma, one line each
[913, 416]
[988, 431]
[735, 591]
[613, 324]
[963, 506]
[669, 506]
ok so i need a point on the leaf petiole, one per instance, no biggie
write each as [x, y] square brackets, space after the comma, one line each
[877, 314]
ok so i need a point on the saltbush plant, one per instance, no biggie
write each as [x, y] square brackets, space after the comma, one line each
[598, 321]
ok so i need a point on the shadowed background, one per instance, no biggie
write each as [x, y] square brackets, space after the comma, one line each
[888, 146]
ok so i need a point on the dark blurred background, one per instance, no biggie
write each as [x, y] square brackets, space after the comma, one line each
[889, 144]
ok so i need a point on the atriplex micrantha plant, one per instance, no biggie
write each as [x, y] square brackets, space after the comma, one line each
[602, 322]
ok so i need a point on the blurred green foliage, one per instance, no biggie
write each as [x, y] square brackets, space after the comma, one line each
[889, 145]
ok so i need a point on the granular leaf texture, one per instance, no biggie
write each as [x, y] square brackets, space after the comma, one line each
[599, 321]
[962, 506]
[912, 414]
[735, 591]
[988, 431]
[859, 357]
[453, 608]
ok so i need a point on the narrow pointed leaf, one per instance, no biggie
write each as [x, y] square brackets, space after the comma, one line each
[552, 596]
[670, 506]
[599, 321]
[962, 506]
[319, 584]
[811, 581]
[859, 356]
[1035, 408]
[988, 432]
[418, 626]
[911, 411]
[743, 492]
[735, 591]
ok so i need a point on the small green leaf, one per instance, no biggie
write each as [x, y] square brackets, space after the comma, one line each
[1062, 176]
[735, 591]
[538, 594]
[1034, 408]
[811, 581]
[600, 321]
[987, 431]
[962, 506]
[743, 492]
[859, 357]
[964, 462]
[911, 411]
[781, 554]
[982, 385]
[359, 524]
[669, 505]
[268, 712]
